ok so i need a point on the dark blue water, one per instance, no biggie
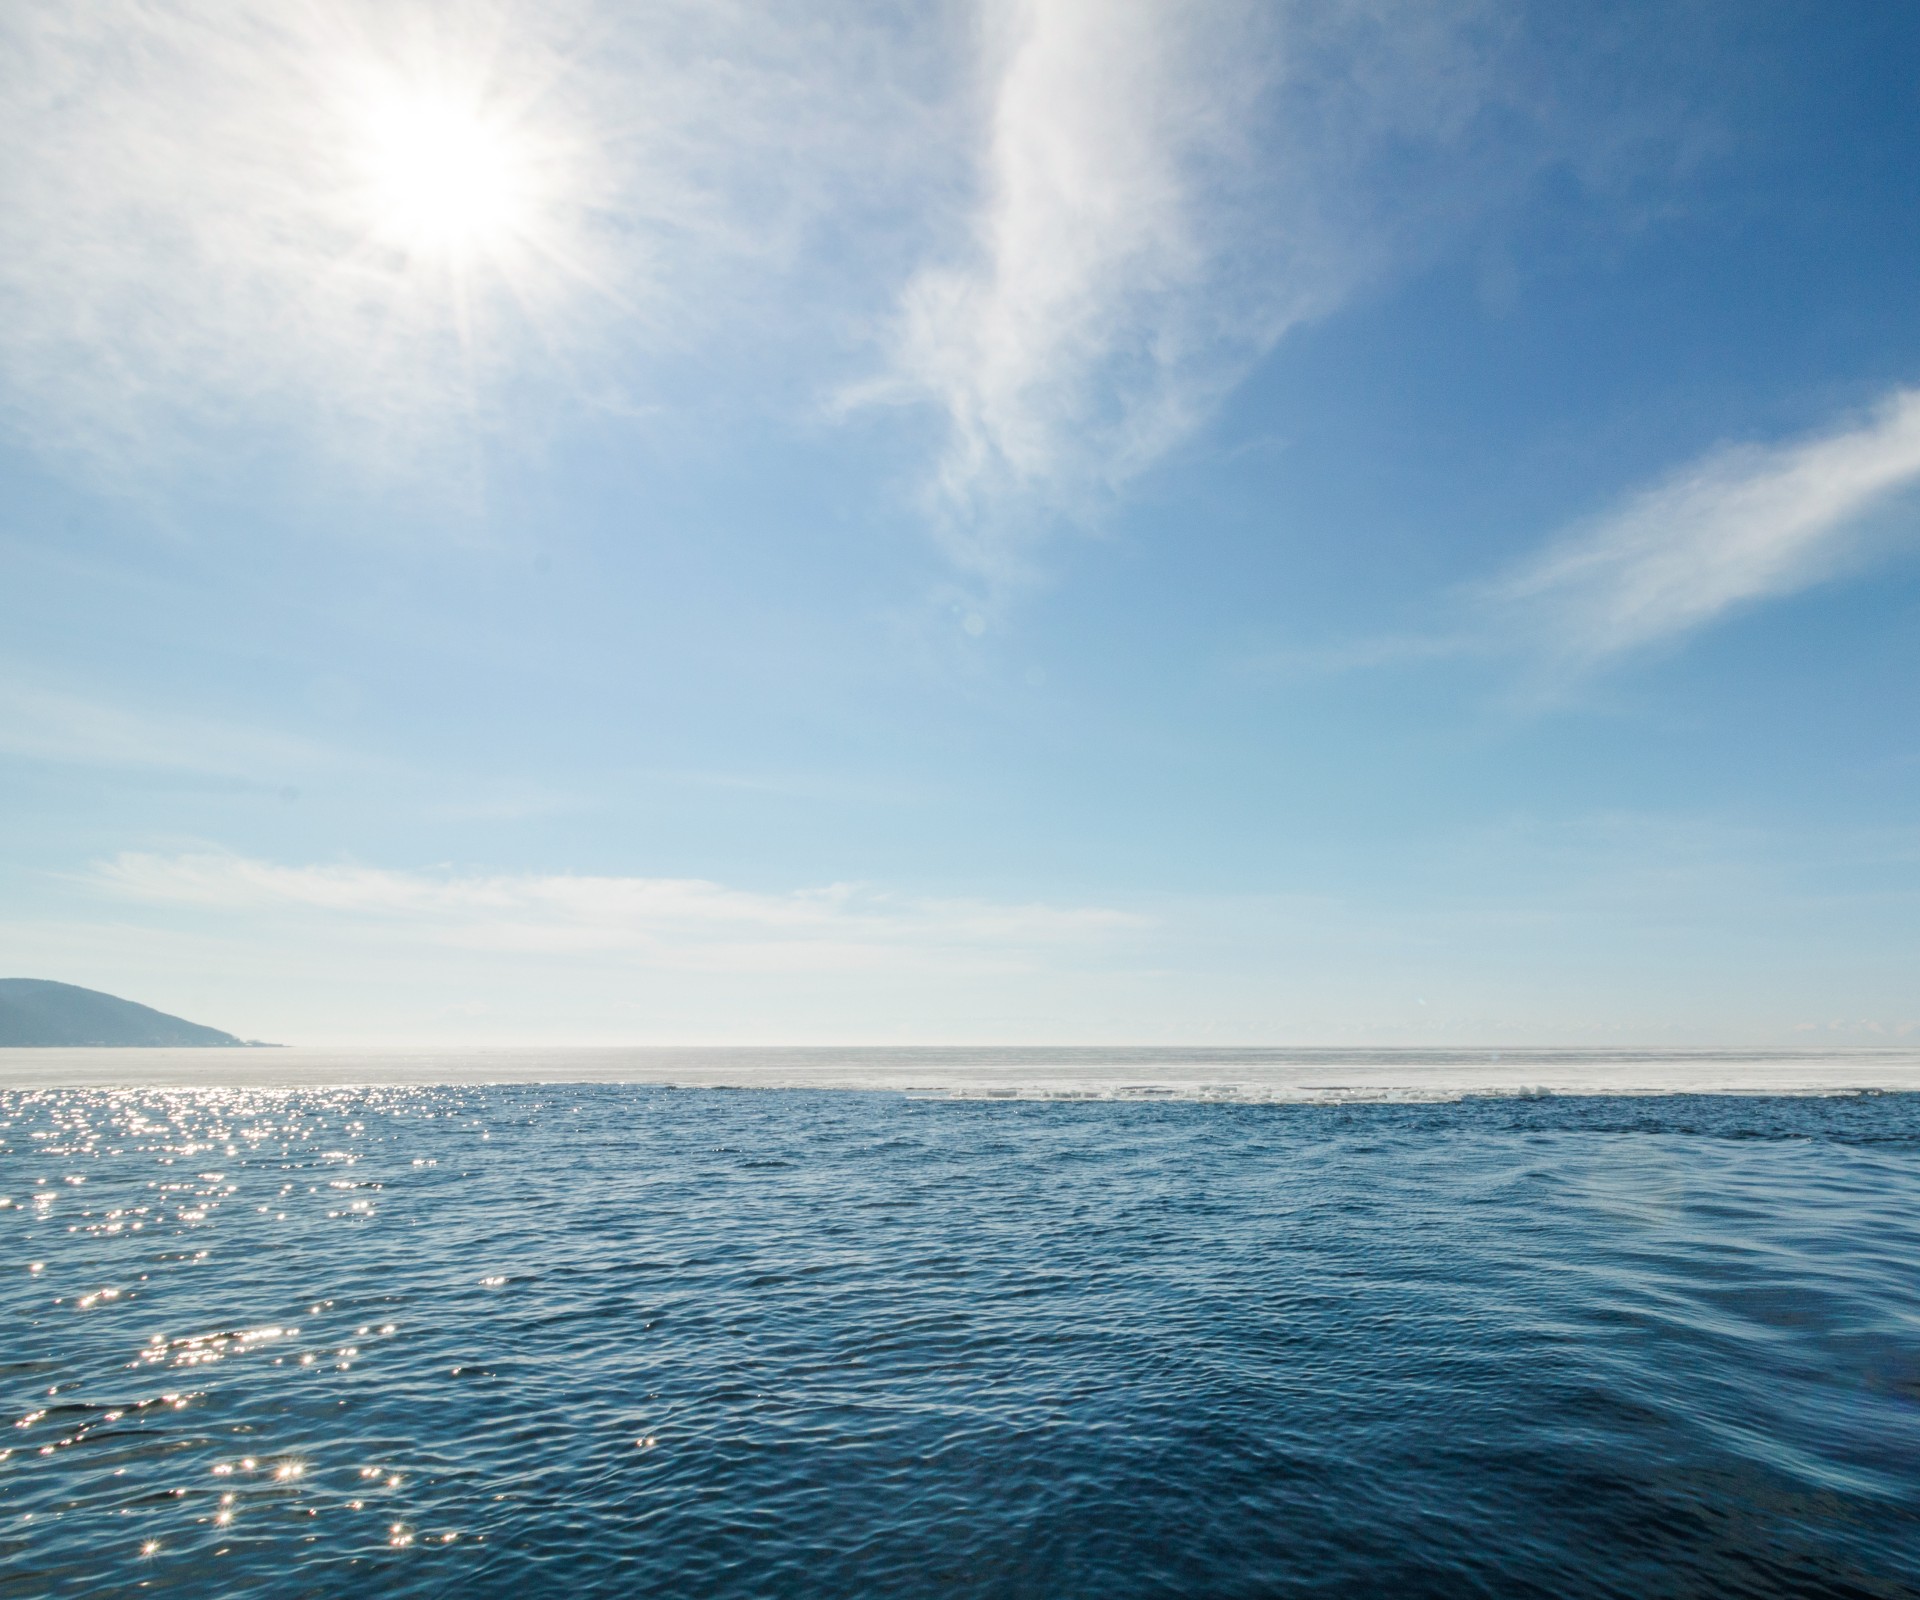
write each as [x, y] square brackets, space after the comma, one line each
[615, 1341]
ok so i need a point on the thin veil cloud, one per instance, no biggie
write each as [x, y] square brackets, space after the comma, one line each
[668, 921]
[38, 723]
[192, 244]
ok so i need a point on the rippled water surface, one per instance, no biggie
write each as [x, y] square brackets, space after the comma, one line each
[615, 1340]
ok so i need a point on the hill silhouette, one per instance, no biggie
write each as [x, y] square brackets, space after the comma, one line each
[34, 1011]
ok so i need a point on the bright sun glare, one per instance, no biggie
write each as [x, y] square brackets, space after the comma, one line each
[443, 178]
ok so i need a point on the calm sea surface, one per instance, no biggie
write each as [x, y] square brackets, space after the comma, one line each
[622, 1339]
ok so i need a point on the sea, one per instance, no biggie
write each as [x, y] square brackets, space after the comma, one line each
[878, 1323]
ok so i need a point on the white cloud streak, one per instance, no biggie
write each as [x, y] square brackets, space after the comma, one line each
[1164, 191]
[678, 923]
[1744, 524]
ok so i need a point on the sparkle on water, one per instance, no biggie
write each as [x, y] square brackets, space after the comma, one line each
[613, 1340]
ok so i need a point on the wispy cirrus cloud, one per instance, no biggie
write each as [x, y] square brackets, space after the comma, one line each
[1743, 524]
[1163, 192]
[1737, 526]
[1073, 345]
[671, 922]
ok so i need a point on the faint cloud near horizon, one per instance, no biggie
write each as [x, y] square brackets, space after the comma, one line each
[676, 923]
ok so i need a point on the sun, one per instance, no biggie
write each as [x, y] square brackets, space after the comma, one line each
[441, 175]
[461, 188]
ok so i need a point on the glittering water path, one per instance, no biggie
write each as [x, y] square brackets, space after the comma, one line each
[565, 1339]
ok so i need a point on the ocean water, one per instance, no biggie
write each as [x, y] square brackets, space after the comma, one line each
[585, 1339]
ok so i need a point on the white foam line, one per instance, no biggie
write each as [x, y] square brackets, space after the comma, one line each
[1226, 1076]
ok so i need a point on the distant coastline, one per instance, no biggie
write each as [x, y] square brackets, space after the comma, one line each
[40, 1014]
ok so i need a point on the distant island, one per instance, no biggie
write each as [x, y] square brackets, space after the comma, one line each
[36, 1012]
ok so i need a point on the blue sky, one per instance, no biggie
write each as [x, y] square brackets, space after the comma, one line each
[1333, 522]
